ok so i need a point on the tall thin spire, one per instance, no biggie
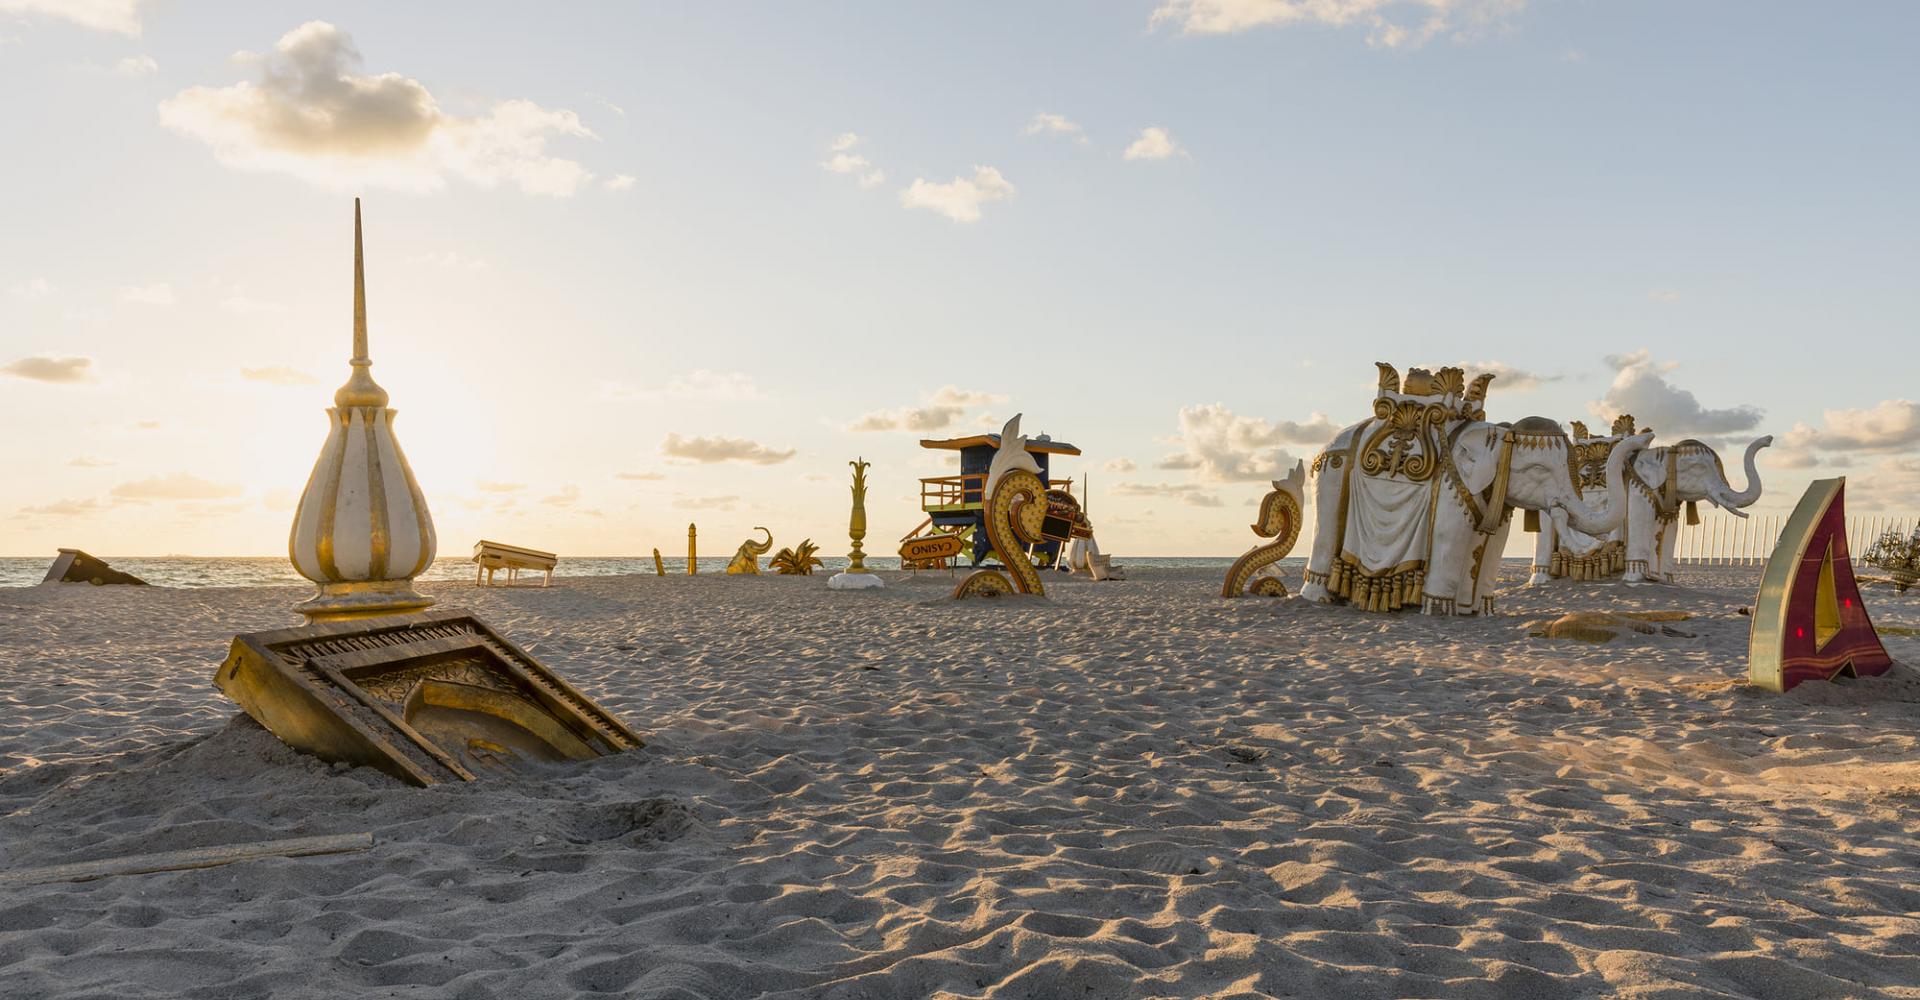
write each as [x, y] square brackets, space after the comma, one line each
[360, 390]
[359, 293]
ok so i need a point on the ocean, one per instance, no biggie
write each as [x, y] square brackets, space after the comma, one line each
[275, 571]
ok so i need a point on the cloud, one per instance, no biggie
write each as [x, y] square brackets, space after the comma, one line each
[1227, 448]
[703, 384]
[179, 486]
[119, 16]
[310, 114]
[83, 462]
[1186, 493]
[1052, 124]
[1641, 388]
[640, 477]
[1664, 296]
[1155, 143]
[1509, 378]
[959, 199]
[722, 449]
[567, 497]
[1385, 20]
[141, 65]
[45, 369]
[942, 408]
[620, 182]
[1120, 465]
[278, 375]
[31, 288]
[489, 486]
[1889, 425]
[64, 508]
[157, 294]
[845, 161]
[727, 502]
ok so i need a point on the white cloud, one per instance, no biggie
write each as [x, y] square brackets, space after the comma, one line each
[844, 163]
[84, 462]
[1227, 448]
[703, 384]
[1186, 493]
[31, 288]
[157, 294]
[64, 508]
[843, 142]
[640, 477]
[872, 179]
[1052, 124]
[959, 199]
[728, 502]
[312, 115]
[120, 16]
[567, 497]
[620, 182]
[141, 65]
[1506, 376]
[179, 486]
[942, 408]
[722, 449]
[609, 105]
[46, 369]
[1155, 143]
[1389, 23]
[1120, 465]
[1889, 425]
[1664, 295]
[278, 375]
[1641, 388]
[489, 486]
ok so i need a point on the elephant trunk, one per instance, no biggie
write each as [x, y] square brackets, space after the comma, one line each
[1724, 493]
[1599, 522]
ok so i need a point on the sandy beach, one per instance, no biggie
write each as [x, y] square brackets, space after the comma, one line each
[1128, 790]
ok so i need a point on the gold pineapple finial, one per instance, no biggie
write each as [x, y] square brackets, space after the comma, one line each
[360, 390]
[857, 522]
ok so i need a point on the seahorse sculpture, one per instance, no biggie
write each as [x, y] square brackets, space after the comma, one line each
[1016, 510]
[1280, 521]
[746, 561]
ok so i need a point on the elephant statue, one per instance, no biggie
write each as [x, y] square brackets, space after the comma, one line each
[1414, 504]
[746, 559]
[1660, 481]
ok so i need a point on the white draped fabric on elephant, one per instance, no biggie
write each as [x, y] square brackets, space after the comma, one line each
[1383, 554]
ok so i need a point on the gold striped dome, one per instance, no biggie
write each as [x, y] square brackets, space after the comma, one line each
[362, 531]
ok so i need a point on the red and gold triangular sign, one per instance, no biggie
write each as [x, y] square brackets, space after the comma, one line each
[1809, 622]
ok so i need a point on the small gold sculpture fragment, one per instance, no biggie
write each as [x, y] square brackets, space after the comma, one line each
[1280, 521]
[746, 559]
[659, 567]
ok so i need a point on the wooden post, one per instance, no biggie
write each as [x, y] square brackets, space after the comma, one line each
[199, 857]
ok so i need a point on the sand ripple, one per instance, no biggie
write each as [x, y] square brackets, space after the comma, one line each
[1130, 790]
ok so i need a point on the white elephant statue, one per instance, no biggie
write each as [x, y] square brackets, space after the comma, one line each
[1660, 480]
[1413, 505]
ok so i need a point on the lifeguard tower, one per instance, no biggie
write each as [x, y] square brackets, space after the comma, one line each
[954, 505]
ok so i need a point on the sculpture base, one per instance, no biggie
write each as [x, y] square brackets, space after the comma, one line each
[345, 601]
[855, 581]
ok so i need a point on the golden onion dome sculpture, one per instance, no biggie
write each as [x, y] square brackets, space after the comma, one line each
[362, 531]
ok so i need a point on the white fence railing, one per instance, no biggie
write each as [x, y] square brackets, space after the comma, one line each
[1720, 539]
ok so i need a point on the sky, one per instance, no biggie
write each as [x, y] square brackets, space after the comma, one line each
[632, 266]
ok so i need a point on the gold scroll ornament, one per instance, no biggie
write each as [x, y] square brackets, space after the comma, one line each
[1280, 521]
[1015, 515]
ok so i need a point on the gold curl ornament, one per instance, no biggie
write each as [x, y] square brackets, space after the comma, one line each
[1279, 520]
[1015, 515]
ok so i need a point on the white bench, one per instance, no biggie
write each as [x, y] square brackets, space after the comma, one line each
[490, 557]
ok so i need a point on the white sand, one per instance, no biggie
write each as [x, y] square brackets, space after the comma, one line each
[1131, 790]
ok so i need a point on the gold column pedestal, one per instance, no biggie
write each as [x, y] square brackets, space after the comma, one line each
[693, 567]
[857, 576]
